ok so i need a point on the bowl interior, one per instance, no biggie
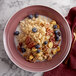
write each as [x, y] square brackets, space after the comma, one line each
[11, 48]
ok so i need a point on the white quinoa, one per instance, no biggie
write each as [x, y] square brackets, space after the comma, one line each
[45, 31]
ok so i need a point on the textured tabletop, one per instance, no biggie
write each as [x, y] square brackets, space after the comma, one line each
[7, 9]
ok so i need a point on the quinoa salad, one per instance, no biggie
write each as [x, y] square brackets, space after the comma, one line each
[37, 38]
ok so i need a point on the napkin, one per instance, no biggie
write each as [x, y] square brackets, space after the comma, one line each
[70, 68]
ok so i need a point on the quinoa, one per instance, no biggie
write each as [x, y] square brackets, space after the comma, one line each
[39, 38]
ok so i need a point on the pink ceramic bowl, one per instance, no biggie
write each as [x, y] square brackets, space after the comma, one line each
[10, 48]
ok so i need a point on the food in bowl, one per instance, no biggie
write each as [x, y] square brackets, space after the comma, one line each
[38, 38]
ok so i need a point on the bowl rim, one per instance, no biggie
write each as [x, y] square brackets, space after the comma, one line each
[10, 56]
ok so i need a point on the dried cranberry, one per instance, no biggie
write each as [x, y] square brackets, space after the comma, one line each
[20, 44]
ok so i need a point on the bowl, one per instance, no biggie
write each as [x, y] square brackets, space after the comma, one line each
[10, 48]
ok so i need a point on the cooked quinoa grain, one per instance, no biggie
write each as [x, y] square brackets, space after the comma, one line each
[39, 38]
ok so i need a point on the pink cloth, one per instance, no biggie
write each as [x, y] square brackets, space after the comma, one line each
[70, 69]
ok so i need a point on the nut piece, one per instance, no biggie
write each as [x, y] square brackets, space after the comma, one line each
[49, 57]
[53, 22]
[39, 54]
[45, 57]
[24, 54]
[50, 44]
[31, 44]
[31, 57]
[54, 51]
[58, 26]
[34, 49]
[27, 40]
[58, 48]
[40, 58]
[48, 31]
